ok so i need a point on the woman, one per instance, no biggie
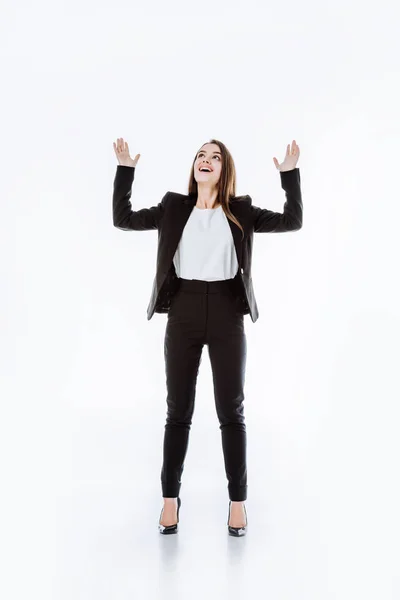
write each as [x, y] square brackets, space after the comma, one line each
[204, 283]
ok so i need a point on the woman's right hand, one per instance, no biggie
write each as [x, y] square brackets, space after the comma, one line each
[122, 152]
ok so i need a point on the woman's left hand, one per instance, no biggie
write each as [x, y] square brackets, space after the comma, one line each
[291, 158]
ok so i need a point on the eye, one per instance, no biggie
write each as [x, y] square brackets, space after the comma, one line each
[217, 155]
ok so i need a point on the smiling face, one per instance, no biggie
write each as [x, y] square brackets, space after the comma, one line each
[208, 157]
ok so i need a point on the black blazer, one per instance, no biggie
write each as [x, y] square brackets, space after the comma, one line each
[170, 217]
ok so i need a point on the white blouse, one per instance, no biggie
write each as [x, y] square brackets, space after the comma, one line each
[206, 250]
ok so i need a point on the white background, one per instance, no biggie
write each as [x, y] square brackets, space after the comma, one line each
[83, 396]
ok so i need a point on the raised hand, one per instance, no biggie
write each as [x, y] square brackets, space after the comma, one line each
[122, 152]
[291, 158]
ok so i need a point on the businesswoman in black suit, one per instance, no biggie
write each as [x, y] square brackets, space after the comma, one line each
[207, 306]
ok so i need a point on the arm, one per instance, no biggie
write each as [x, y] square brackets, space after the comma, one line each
[123, 216]
[267, 221]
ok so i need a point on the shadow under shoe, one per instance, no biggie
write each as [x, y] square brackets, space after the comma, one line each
[167, 529]
[236, 531]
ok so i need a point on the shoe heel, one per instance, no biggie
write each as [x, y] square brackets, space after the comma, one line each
[168, 529]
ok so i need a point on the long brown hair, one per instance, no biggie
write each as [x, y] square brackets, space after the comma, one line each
[226, 183]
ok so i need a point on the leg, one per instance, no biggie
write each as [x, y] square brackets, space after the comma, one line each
[227, 350]
[182, 360]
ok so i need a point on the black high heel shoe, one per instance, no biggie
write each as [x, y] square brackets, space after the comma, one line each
[237, 531]
[167, 529]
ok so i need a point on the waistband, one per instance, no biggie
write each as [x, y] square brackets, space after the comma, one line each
[199, 286]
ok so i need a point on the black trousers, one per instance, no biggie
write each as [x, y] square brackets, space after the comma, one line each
[205, 312]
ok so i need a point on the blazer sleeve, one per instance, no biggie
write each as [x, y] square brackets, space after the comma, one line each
[267, 221]
[123, 216]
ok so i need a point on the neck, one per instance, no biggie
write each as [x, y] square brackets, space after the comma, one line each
[207, 197]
